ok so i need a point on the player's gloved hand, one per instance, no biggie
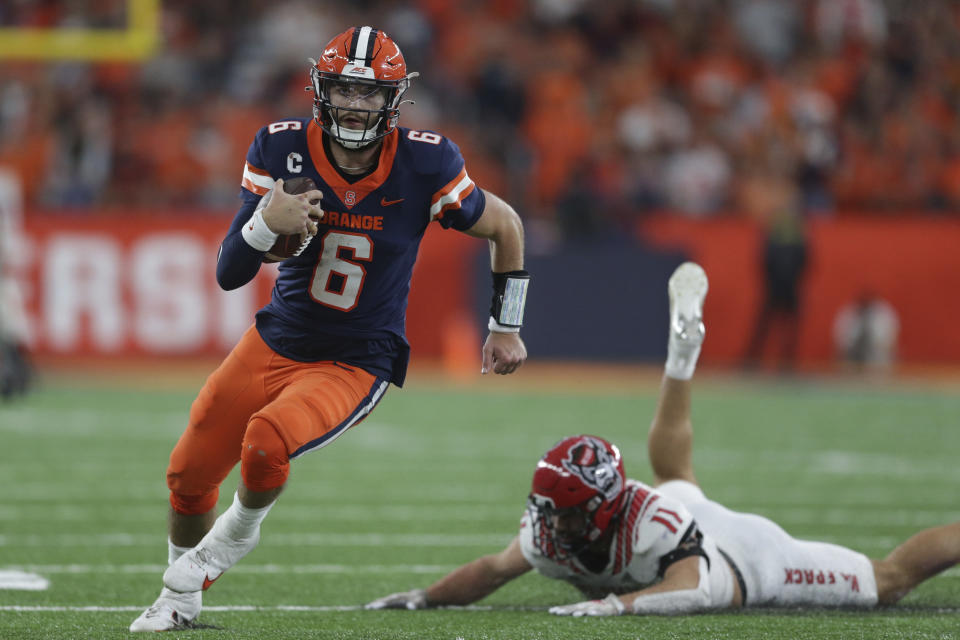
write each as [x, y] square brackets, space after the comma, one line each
[416, 599]
[609, 606]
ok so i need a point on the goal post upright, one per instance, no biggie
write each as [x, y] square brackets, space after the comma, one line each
[137, 41]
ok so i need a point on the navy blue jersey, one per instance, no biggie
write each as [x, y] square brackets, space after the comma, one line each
[345, 297]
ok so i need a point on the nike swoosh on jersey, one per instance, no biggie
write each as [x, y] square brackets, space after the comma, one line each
[207, 581]
[386, 203]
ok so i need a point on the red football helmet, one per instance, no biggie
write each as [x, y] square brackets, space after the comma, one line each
[359, 62]
[578, 488]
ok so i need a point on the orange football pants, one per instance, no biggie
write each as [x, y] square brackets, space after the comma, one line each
[262, 409]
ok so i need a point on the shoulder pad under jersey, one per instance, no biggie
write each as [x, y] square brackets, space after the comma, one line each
[281, 137]
[431, 153]
[660, 528]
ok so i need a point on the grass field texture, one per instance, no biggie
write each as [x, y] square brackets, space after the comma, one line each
[437, 476]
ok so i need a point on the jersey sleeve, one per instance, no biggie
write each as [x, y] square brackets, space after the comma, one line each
[238, 262]
[660, 531]
[457, 202]
[256, 180]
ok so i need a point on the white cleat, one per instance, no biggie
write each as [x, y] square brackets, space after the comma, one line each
[172, 611]
[200, 567]
[687, 289]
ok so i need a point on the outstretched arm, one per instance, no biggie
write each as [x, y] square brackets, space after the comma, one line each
[503, 350]
[680, 591]
[478, 579]
[471, 582]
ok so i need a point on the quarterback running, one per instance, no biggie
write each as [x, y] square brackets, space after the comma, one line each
[322, 353]
[667, 548]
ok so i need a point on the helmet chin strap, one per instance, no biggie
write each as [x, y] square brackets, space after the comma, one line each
[353, 138]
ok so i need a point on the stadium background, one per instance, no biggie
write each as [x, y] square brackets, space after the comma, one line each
[628, 134]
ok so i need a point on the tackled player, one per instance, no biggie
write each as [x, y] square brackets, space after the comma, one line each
[667, 548]
[323, 351]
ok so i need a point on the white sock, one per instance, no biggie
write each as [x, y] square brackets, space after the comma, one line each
[174, 552]
[681, 360]
[234, 534]
[240, 522]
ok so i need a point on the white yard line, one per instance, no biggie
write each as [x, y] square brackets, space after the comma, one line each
[37, 421]
[354, 540]
[320, 609]
[274, 539]
[833, 463]
[141, 488]
[16, 580]
[870, 517]
[278, 607]
[95, 608]
[293, 514]
[48, 569]
[789, 516]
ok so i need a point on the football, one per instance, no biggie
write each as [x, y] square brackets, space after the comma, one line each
[288, 246]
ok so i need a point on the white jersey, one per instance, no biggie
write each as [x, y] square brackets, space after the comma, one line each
[774, 569]
[651, 527]
[779, 570]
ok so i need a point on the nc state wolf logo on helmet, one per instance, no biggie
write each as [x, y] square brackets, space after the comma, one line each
[590, 461]
[583, 473]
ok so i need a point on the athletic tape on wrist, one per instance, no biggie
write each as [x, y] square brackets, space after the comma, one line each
[616, 603]
[495, 327]
[257, 234]
[509, 299]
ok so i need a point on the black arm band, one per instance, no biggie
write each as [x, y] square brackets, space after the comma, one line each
[691, 544]
[509, 298]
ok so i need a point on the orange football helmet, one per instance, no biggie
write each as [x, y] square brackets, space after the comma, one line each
[359, 62]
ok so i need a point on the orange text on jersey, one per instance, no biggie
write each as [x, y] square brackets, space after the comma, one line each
[353, 220]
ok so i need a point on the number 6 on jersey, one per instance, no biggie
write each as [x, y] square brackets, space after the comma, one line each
[344, 297]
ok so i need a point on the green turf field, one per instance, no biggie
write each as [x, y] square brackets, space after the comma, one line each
[437, 476]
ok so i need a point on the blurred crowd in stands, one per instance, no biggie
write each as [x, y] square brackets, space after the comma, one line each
[586, 115]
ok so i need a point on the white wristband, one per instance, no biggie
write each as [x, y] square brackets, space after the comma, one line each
[615, 603]
[495, 327]
[671, 602]
[257, 234]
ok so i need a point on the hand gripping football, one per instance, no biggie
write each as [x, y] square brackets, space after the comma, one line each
[288, 246]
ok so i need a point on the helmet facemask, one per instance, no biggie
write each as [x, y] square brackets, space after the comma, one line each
[568, 530]
[337, 96]
[578, 491]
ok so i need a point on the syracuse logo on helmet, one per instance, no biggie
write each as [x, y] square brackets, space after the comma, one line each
[362, 64]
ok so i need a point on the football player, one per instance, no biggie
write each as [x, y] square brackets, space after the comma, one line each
[16, 370]
[667, 548]
[323, 351]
